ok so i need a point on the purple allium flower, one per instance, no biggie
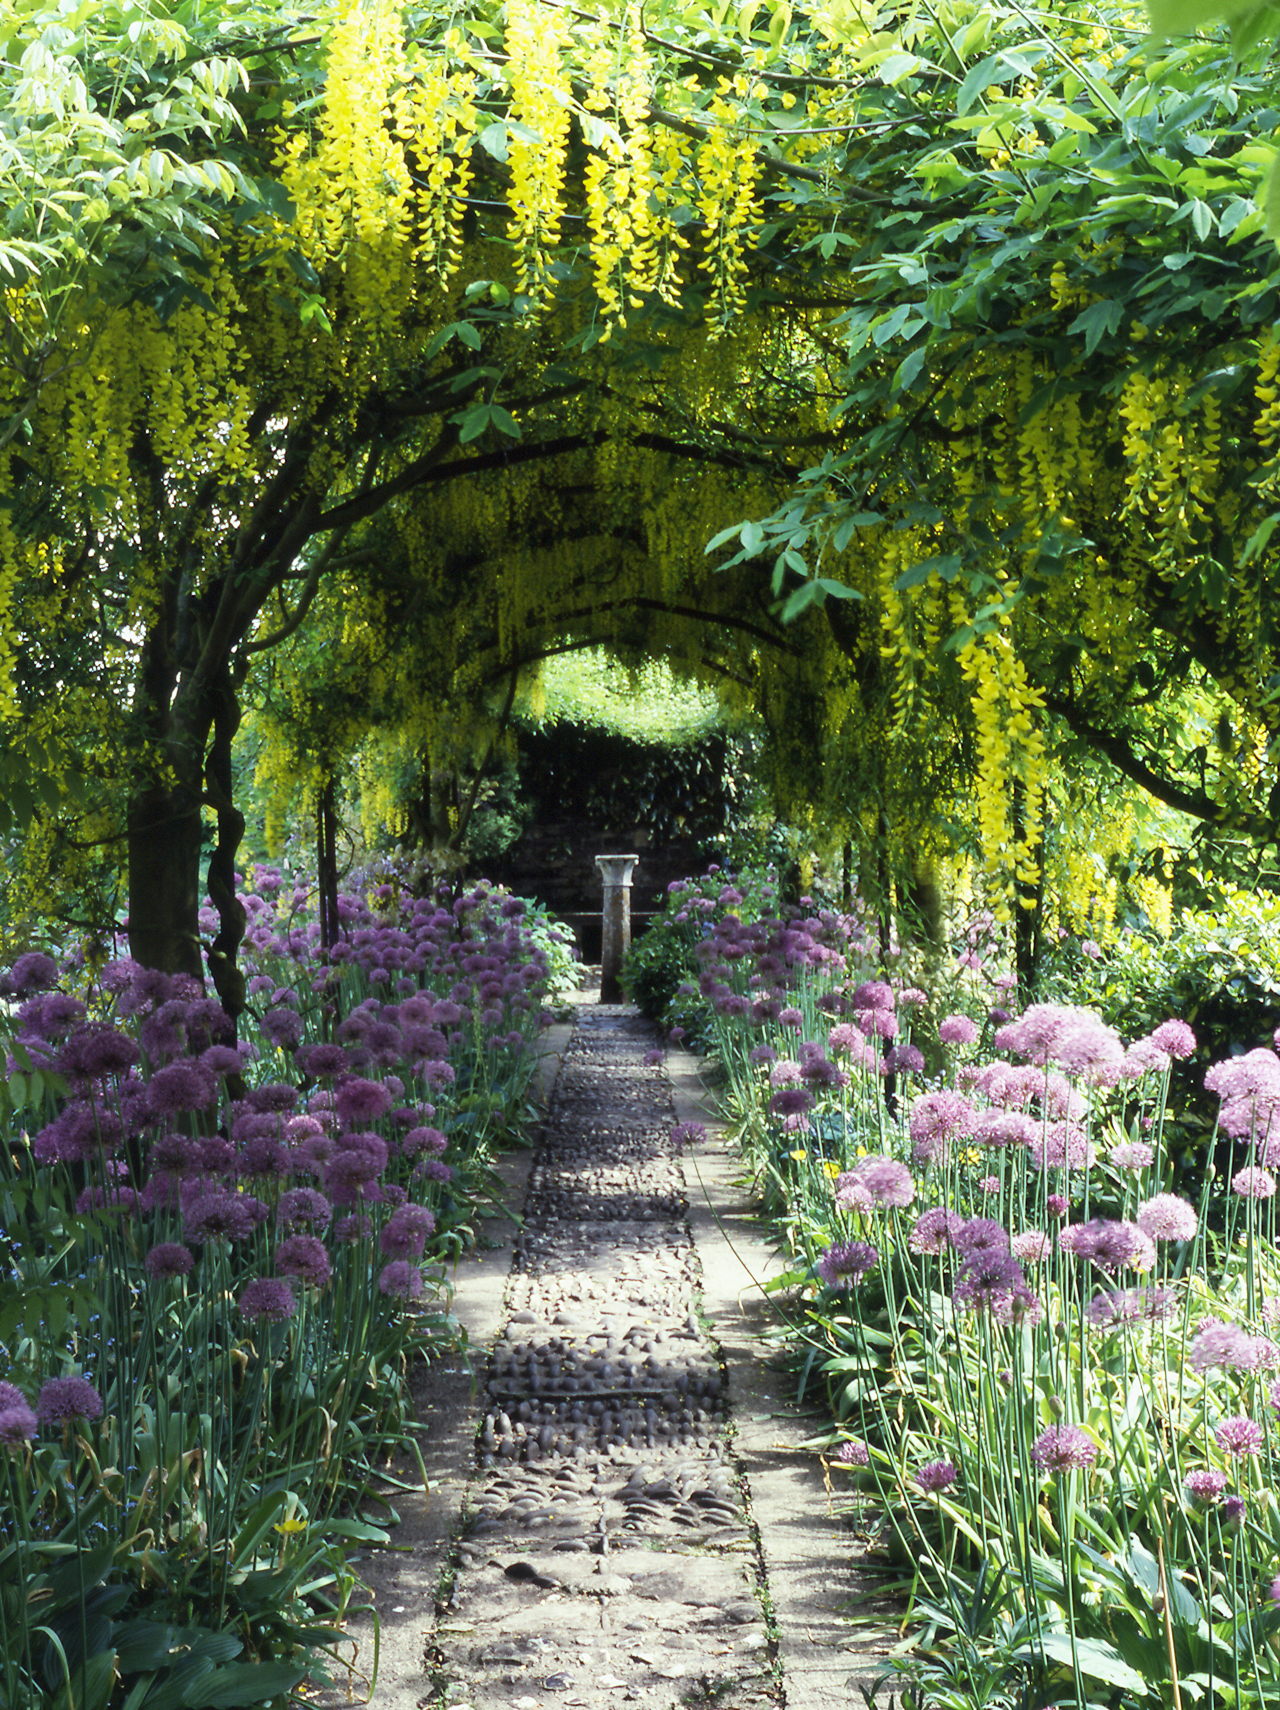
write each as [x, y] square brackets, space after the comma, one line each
[1233, 1510]
[935, 1230]
[1205, 1486]
[17, 1421]
[1253, 1183]
[1031, 1246]
[283, 1027]
[936, 1120]
[304, 1257]
[957, 1030]
[1227, 1346]
[688, 1134]
[1175, 1037]
[762, 1054]
[991, 1278]
[981, 1235]
[362, 1101]
[936, 1476]
[883, 1181]
[654, 1059]
[63, 1399]
[404, 1235]
[846, 1263]
[911, 997]
[1109, 1243]
[845, 1037]
[873, 995]
[303, 1205]
[180, 1086]
[270, 1298]
[904, 1060]
[322, 1062]
[1064, 1448]
[853, 1453]
[1239, 1436]
[432, 1170]
[791, 1101]
[167, 1260]
[1166, 1217]
[401, 1280]
[1132, 1155]
[1057, 1205]
[218, 1215]
[32, 972]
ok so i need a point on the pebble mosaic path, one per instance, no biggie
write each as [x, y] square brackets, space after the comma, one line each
[622, 1511]
[607, 1549]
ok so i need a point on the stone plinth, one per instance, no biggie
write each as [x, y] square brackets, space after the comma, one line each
[615, 871]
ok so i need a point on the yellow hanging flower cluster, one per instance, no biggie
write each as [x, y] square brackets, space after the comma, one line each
[726, 169]
[541, 108]
[1011, 760]
[351, 185]
[619, 176]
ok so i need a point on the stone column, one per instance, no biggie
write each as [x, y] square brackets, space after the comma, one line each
[615, 871]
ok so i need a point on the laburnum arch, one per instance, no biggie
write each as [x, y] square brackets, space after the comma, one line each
[529, 273]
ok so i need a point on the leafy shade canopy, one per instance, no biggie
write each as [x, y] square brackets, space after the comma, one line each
[510, 312]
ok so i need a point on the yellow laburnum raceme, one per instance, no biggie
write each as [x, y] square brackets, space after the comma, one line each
[541, 106]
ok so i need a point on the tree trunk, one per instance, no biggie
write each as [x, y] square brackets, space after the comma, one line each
[164, 835]
[327, 867]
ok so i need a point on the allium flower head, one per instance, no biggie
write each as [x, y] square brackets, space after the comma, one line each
[853, 1453]
[936, 1120]
[63, 1399]
[1253, 1182]
[401, 1280]
[17, 1421]
[362, 1101]
[305, 1257]
[846, 1263]
[884, 1181]
[791, 1101]
[1175, 1037]
[957, 1030]
[1227, 1346]
[1064, 1448]
[168, 1260]
[688, 1134]
[1205, 1486]
[1166, 1217]
[1132, 1155]
[936, 1476]
[1109, 1243]
[1119, 1306]
[1239, 1436]
[268, 1298]
[935, 1230]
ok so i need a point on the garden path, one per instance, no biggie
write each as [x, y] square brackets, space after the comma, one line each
[621, 1512]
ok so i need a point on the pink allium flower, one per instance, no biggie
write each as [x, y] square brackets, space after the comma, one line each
[1253, 1183]
[1239, 1436]
[1175, 1037]
[846, 1038]
[1032, 1246]
[1205, 1486]
[935, 1230]
[957, 1030]
[1166, 1217]
[853, 1453]
[785, 1072]
[1132, 1155]
[936, 1120]
[1227, 1346]
[1109, 1243]
[1064, 1448]
[688, 1134]
[884, 1180]
[1129, 1306]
